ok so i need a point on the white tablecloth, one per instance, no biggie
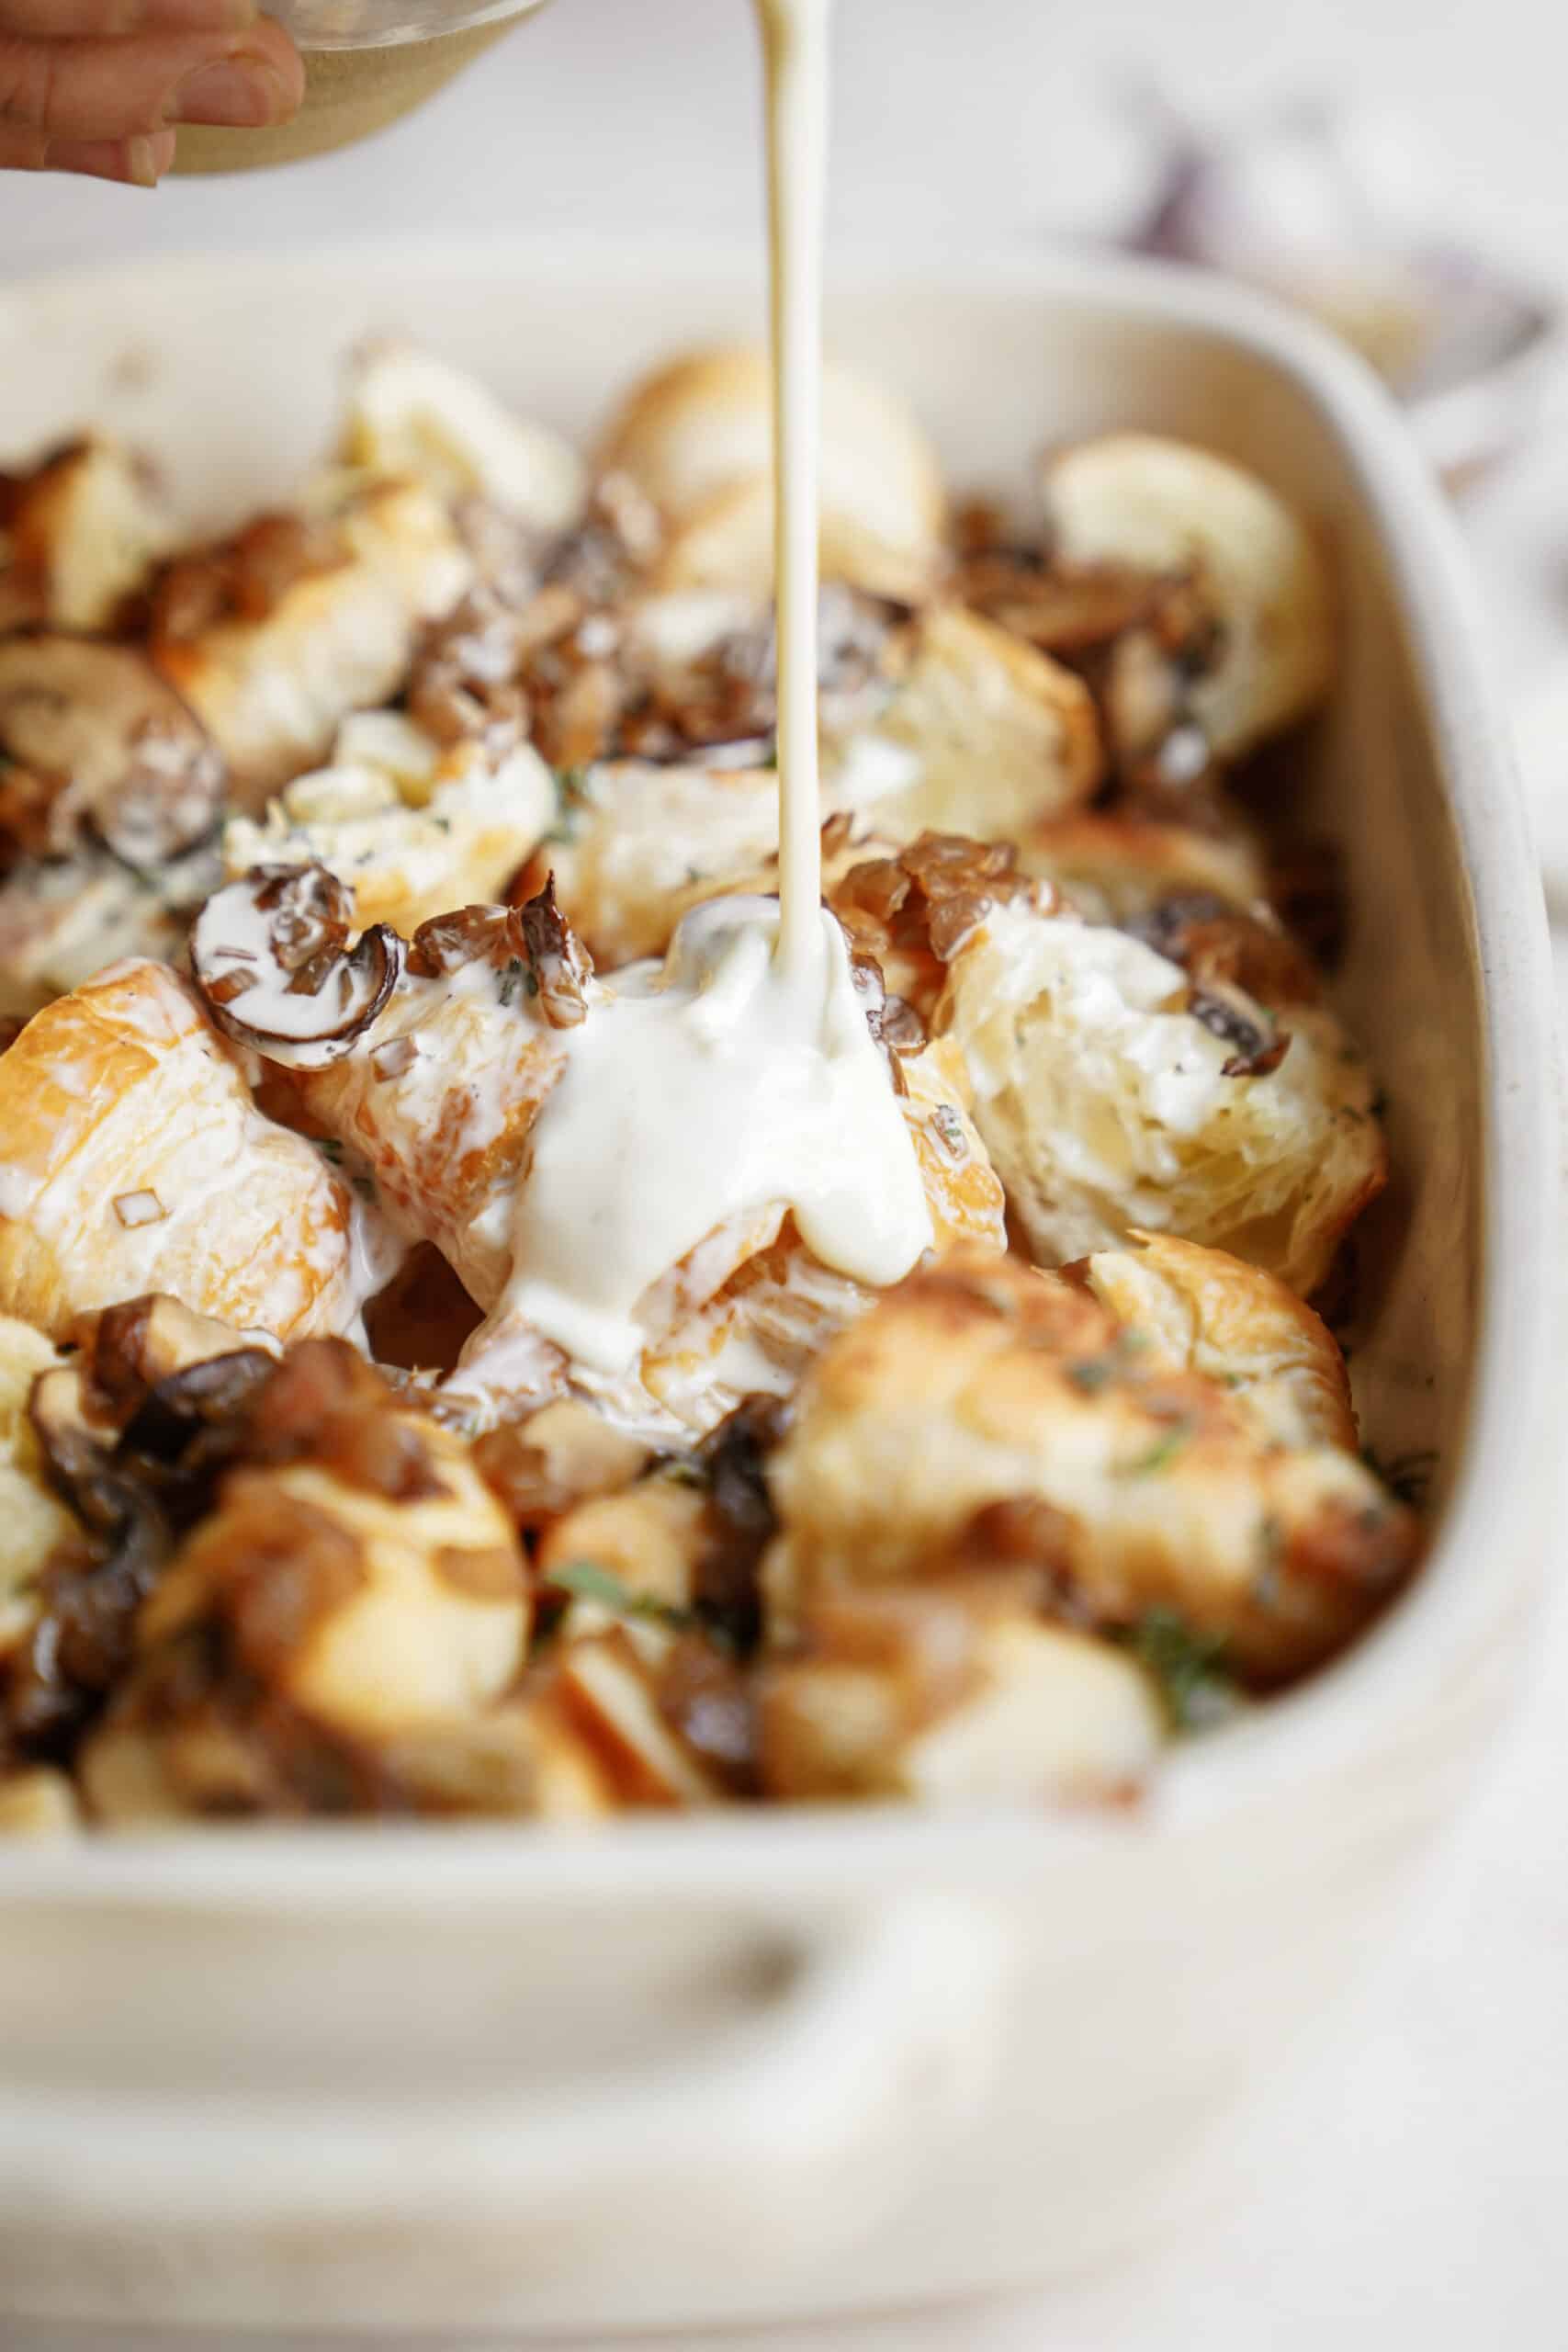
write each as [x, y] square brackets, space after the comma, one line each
[1414, 2193]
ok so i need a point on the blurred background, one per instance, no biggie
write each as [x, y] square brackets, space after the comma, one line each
[978, 124]
[1413, 2191]
[956, 119]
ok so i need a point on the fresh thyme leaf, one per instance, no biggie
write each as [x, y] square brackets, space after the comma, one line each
[1164, 1450]
[683, 1473]
[512, 980]
[571, 790]
[330, 1149]
[586, 1580]
[1185, 1665]
[1092, 1373]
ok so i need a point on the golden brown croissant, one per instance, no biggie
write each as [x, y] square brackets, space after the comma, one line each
[275, 638]
[696, 437]
[985, 1417]
[356, 1582]
[134, 1160]
[436, 1088]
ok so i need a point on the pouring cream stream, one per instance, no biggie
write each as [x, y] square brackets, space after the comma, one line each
[738, 1079]
[741, 1071]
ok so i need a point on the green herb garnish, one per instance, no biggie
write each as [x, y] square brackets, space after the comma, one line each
[571, 790]
[1163, 1450]
[586, 1580]
[1185, 1665]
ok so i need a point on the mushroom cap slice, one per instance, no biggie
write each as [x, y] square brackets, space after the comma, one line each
[1137, 500]
[94, 741]
[271, 956]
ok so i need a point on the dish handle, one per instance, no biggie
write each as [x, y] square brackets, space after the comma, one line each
[793, 2127]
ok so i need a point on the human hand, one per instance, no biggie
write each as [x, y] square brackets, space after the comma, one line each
[94, 85]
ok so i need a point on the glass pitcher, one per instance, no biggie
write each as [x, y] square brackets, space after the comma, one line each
[367, 63]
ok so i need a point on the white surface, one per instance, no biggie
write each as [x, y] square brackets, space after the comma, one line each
[1411, 2192]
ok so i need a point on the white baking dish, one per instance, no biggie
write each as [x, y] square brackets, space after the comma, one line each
[743, 2067]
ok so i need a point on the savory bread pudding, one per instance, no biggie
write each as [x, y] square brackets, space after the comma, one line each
[387, 1426]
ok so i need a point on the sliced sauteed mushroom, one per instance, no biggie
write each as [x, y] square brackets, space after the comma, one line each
[272, 958]
[93, 743]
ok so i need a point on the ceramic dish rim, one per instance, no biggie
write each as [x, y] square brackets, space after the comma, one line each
[1320, 1728]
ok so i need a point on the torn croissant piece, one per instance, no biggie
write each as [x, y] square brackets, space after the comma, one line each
[1114, 865]
[748, 1308]
[62, 920]
[981, 735]
[354, 1582]
[943, 1695]
[276, 636]
[984, 1416]
[434, 1081]
[134, 1160]
[39, 1526]
[96, 747]
[677, 788]
[1181, 1080]
[1202, 1310]
[135, 1425]
[414, 416]
[408, 828]
[613, 1697]
[78, 534]
[39, 1803]
[1258, 651]
[437, 1091]
[635, 844]
[696, 439]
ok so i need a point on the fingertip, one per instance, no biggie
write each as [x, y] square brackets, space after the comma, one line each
[146, 159]
[138, 162]
[268, 40]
